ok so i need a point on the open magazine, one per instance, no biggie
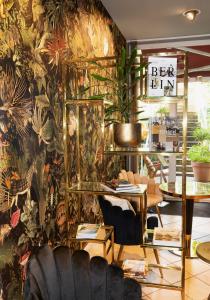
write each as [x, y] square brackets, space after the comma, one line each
[165, 133]
[167, 236]
[135, 268]
[88, 231]
[119, 186]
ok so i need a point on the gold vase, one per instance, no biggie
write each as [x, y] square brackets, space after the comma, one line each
[127, 134]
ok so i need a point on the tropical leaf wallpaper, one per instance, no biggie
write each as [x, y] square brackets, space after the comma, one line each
[37, 39]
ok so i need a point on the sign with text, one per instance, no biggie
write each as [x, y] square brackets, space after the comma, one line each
[161, 78]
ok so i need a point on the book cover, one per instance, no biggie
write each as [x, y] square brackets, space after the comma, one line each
[167, 236]
[165, 133]
[134, 189]
[119, 184]
[135, 268]
[87, 230]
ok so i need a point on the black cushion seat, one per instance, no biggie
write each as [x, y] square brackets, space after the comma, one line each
[127, 224]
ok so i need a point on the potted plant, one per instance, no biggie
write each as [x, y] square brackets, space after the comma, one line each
[120, 113]
[162, 112]
[200, 155]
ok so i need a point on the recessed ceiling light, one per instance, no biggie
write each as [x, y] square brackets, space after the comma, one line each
[191, 14]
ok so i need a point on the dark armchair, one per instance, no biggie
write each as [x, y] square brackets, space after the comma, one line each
[127, 226]
[58, 275]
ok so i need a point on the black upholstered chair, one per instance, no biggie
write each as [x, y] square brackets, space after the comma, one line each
[58, 275]
[127, 226]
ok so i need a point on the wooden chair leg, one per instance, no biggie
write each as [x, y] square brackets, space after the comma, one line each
[120, 252]
[158, 261]
[159, 215]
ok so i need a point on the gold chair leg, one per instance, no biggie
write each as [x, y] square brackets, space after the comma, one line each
[159, 215]
[158, 262]
[120, 252]
[145, 253]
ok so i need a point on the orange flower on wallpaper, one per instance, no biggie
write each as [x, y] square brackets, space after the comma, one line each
[56, 49]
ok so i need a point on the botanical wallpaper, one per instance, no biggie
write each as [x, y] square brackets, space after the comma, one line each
[37, 39]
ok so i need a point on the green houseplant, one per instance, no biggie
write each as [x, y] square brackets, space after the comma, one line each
[121, 112]
[200, 155]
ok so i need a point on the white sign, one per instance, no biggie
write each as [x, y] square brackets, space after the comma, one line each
[161, 78]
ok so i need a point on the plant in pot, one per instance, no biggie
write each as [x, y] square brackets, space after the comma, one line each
[121, 112]
[162, 112]
[200, 155]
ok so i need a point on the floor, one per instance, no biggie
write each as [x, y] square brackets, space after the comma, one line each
[197, 278]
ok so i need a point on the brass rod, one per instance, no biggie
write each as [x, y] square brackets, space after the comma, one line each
[84, 102]
[161, 285]
[176, 53]
[72, 61]
[141, 78]
[65, 129]
[184, 161]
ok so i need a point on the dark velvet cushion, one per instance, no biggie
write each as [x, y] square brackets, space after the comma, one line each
[127, 225]
[58, 275]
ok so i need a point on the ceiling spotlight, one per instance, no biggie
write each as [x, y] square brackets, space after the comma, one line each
[191, 14]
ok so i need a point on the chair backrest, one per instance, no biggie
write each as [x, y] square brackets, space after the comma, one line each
[58, 275]
[127, 224]
[152, 170]
[135, 178]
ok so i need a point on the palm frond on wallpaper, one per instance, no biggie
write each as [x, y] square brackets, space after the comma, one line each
[57, 9]
[42, 126]
[14, 102]
[56, 49]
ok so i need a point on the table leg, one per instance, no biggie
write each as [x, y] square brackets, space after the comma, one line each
[189, 220]
[79, 208]
[112, 241]
[144, 214]
[104, 249]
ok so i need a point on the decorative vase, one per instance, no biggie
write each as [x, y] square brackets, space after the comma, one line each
[127, 134]
[201, 171]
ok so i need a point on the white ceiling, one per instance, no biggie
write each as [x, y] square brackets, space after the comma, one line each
[154, 19]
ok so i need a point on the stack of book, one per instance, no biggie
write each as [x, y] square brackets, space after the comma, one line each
[135, 268]
[122, 186]
[87, 231]
[167, 236]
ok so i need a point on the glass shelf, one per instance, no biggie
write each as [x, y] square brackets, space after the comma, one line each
[100, 188]
[165, 99]
[103, 234]
[162, 245]
[194, 190]
[137, 151]
[171, 276]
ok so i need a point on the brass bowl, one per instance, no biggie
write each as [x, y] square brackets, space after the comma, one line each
[127, 134]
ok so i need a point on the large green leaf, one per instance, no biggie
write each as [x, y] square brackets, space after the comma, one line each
[100, 78]
[132, 58]
[141, 67]
[97, 97]
[95, 63]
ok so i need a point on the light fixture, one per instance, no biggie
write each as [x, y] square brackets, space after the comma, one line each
[191, 14]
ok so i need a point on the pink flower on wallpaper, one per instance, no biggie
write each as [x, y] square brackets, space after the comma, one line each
[15, 218]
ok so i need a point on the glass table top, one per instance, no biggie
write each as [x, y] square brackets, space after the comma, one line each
[99, 188]
[203, 251]
[103, 234]
[194, 190]
[137, 150]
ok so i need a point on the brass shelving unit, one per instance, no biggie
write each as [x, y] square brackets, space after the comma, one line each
[183, 99]
[151, 280]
